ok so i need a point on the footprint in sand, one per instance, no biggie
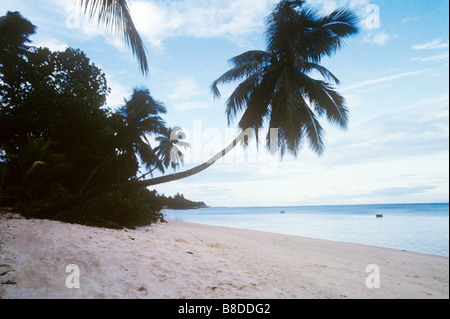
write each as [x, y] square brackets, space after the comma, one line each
[143, 290]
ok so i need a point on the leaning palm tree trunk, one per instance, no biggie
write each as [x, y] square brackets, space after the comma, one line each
[48, 211]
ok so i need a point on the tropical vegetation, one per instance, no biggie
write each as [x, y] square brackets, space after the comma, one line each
[58, 135]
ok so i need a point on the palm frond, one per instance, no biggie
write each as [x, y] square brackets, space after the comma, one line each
[245, 65]
[241, 96]
[115, 15]
[342, 23]
[325, 99]
[306, 67]
[258, 56]
[276, 88]
[148, 156]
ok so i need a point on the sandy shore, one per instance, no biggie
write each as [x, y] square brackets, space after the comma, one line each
[182, 260]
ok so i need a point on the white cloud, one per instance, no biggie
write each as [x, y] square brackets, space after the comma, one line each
[327, 6]
[383, 80]
[188, 94]
[160, 20]
[410, 19]
[381, 38]
[118, 94]
[435, 44]
[440, 57]
[52, 44]
[414, 129]
[432, 45]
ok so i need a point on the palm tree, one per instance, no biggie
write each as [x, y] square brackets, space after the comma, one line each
[14, 33]
[169, 150]
[140, 119]
[277, 86]
[137, 119]
[170, 147]
[115, 15]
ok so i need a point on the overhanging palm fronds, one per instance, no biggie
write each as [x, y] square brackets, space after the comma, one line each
[115, 15]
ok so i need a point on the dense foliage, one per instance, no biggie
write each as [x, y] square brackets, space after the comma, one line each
[58, 139]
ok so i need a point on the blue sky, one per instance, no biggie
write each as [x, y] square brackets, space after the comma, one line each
[394, 75]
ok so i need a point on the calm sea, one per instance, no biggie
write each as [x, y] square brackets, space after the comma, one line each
[422, 228]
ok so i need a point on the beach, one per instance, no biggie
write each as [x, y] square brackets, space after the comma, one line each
[180, 260]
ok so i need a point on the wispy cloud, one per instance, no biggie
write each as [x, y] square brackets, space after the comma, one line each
[410, 19]
[416, 129]
[383, 80]
[440, 57]
[381, 38]
[187, 94]
[435, 44]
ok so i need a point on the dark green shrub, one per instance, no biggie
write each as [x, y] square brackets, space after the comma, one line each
[127, 209]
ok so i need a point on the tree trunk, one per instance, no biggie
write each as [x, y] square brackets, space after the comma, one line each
[82, 198]
[104, 163]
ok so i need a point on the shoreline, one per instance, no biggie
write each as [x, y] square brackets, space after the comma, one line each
[181, 260]
[313, 238]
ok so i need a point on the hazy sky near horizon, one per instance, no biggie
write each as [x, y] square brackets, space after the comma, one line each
[394, 75]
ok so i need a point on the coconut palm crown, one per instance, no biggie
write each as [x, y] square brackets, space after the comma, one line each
[277, 88]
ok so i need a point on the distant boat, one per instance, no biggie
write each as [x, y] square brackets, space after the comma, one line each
[379, 216]
[282, 212]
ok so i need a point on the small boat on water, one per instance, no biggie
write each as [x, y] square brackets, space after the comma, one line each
[282, 212]
[379, 215]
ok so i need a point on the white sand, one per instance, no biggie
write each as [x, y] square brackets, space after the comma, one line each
[182, 260]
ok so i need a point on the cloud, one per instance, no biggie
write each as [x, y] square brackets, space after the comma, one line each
[380, 38]
[327, 6]
[440, 57]
[187, 94]
[417, 129]
[52, 44]
[383, 80]
[118, 94]
[435, 44]
[160, 20]
[432, 45]
[400, 191]
[410, 19]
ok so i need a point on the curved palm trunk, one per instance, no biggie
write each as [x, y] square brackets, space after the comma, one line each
[48, 211]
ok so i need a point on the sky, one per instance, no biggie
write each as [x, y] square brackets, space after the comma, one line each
[394, 75]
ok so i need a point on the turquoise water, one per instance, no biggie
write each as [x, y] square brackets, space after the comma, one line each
[422, 228]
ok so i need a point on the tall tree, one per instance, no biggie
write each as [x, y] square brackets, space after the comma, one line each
[277, 87]
[141, 118]
[15, 31]
[171, 146]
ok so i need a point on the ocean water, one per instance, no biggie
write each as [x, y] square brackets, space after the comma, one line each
[422, 228]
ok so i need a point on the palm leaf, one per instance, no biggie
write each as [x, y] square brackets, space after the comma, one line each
[241, 96]
[115, 15]
[325, 100]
